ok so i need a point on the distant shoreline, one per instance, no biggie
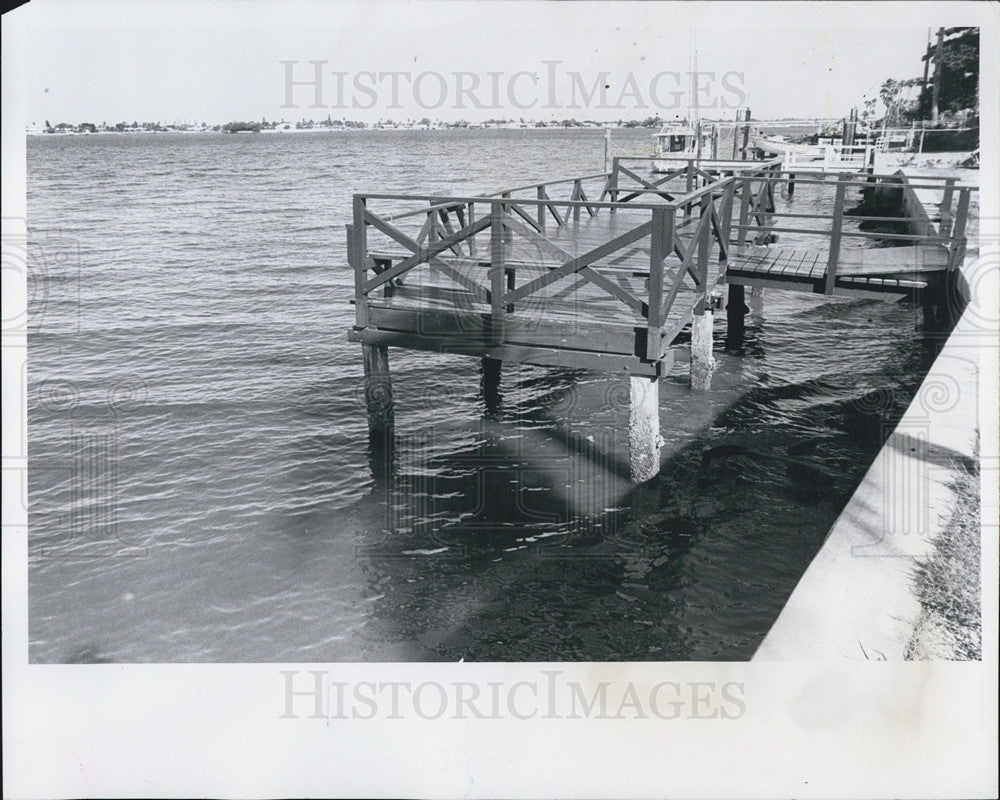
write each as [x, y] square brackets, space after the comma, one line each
[339, 130]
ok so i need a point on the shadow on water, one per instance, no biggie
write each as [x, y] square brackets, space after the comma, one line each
[527, 541]
[511, 532]
[532, 545]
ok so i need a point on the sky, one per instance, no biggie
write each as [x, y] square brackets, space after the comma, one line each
[222, 61]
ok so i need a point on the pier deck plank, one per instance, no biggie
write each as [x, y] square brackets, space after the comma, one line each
[775, 261]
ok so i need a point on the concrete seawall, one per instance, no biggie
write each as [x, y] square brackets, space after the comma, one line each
[858, 598]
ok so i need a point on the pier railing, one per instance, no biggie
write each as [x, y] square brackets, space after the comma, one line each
[502, 254]
[479, 245]
[835, 157]
[678, 176]
[798, 229]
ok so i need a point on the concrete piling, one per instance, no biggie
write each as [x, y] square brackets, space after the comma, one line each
[702, 361]
[644, 427]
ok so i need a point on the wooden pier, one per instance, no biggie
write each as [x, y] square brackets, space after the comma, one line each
[605, 271]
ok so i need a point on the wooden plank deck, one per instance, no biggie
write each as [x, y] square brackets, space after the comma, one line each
[911, 262]
[429, 309]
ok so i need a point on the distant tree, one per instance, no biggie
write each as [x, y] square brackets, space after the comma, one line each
[240, 127]
[868, 112]
[426, 121]
[960, 70]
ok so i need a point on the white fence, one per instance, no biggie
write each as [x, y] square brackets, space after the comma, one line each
[831, 158]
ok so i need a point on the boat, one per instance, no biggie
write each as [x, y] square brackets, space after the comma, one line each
[679, 141]
[778, 145]
[828, 155]
[972, 162]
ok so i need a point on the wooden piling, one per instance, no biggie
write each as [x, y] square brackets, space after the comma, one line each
[378, 394]
[491, 384]
[644, 427]
[736, 311]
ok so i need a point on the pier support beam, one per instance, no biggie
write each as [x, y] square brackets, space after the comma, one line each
[736, 311]
[378, 395]
[702, 361]
[644, 440]
[491, 385]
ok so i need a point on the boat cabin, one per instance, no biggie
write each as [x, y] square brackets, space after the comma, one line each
[678, 140]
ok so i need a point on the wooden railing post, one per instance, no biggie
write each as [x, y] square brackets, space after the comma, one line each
[944, 228]
[432, 235]
[432, 230]
[726, 214]
[702, 360]
[471, 210]
[956, 247]
[577, 190]
[614, 182]
[540, 192]
[704, 243]
[661, 242]
[358, 250]
[508, 234]
[498, 282]
[835, 230]
[688, 187]
[745, 198]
